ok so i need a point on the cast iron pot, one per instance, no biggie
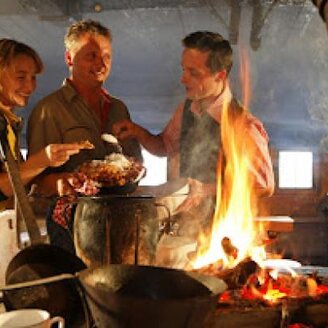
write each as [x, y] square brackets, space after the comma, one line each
[143, 296]
[117, 229]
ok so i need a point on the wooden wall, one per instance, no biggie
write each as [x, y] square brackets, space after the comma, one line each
[299, 202]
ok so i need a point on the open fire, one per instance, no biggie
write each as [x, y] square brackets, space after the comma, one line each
[235, 249]
[271, 288]
[234, 235]
[269, 299]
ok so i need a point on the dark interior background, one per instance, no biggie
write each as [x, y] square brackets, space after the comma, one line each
[284, 41]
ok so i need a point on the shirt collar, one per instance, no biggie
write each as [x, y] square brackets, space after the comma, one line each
[70, 92]
[215, 108]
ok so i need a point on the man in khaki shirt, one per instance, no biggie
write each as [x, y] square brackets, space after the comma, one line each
[79, 110]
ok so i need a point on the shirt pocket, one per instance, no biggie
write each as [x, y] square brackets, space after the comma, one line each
[78, 133]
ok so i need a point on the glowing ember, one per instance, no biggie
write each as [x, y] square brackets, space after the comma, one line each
[272, 289]
[273, 295]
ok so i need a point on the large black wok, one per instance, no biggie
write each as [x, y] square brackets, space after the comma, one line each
[142, 296]
[132, 296]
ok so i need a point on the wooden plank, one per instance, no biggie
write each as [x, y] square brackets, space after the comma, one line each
[276, 223]
[255, 318]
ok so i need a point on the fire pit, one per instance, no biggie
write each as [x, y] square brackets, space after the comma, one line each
[241, 308]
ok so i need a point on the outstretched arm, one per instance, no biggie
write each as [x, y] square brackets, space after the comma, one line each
[53, 155]
[128, 129]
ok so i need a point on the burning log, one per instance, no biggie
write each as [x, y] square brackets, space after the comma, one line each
[235, 277]
[300, 307]
[229, 249]
[239, 275]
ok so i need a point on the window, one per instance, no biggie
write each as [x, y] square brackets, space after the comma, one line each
[23, 152]
[156, 169]
[296, 169]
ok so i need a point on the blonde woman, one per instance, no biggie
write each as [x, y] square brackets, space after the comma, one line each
[19, 66]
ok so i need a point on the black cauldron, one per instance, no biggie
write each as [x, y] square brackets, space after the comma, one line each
[116, 229]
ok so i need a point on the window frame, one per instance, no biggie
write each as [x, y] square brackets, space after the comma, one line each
[315, 171]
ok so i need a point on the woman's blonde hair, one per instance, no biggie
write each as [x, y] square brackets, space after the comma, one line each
[9, 49]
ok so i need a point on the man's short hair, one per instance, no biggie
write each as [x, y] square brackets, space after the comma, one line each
[9, 49]
[219, 49]
[89, 26]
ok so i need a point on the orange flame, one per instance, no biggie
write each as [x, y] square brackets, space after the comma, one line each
[245, 76]
[235, 203]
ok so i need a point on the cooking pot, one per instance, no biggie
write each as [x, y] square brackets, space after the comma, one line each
[131, 296]
[143, 296]
[59, 299]
[117, 229]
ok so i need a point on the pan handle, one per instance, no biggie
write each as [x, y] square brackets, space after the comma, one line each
[167, 225]
[38, 282]
[49, 280]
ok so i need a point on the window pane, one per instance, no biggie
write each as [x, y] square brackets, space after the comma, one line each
[156, 169]
[295, 169]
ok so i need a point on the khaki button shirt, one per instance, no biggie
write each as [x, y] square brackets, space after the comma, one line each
[64, 117]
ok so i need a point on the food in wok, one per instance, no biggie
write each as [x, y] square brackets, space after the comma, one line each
[86, 144]
[116, 170]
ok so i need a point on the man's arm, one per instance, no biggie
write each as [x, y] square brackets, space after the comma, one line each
[128, 129]
[164, 144]
[119, 112]
[47, 184]
[260, 164]
[41, 128]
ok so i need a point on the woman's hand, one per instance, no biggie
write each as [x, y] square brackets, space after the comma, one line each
[57, 154]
